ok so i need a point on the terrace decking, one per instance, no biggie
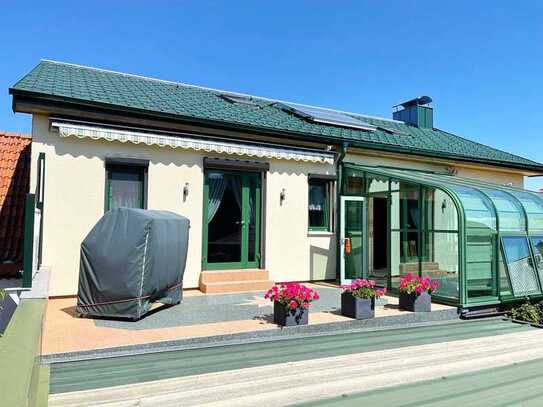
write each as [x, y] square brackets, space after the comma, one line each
[285, 372]
[205, 319]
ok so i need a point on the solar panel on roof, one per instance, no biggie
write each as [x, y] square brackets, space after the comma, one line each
[325, 116]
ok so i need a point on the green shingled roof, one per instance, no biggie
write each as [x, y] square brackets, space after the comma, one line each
[122, 91]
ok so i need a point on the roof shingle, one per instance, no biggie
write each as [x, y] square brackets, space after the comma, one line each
[118, 90]
[14, 184]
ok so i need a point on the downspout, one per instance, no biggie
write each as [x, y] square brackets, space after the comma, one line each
[339, 183]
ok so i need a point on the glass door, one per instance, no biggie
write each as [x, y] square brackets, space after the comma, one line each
[231, 220]
[352, 239]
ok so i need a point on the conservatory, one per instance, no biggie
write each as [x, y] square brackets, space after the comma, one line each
[482, 242]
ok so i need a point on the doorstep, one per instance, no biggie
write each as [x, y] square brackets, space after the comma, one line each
[234, 281]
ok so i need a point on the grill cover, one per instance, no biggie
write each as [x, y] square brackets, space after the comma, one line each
[130, 259]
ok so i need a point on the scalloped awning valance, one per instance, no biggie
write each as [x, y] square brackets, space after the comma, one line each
[217, 146]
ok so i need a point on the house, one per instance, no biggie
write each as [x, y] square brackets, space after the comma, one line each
[280, 191]
[14, 184]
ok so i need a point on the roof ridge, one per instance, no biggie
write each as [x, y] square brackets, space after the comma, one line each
[222, 91]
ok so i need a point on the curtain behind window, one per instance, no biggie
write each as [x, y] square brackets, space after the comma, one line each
[317, 204]
[125, 188]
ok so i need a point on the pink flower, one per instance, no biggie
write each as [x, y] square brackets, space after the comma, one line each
[292, 295]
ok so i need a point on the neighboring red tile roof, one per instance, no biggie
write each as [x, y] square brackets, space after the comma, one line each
[14, 184]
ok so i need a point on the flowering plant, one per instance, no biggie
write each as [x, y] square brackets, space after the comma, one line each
[292, 295]
[361, 288]
[410, 284]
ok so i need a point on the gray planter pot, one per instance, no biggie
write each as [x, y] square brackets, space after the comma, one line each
[357, 308]
[416, 303]
[289, 317]
[8, 307]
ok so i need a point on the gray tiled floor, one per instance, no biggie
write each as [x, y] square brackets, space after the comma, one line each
[207, 309]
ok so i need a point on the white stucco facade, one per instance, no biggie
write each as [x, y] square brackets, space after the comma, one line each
[74, 201]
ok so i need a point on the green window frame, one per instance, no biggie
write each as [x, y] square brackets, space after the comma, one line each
[319, 223]
[139, 172]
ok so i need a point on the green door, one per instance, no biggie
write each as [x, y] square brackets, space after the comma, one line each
[231, 235]
[352, 239]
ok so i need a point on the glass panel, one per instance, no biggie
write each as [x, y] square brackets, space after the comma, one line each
[440, 262]
[377, 184]
[377, 238]
[409, 247]
[533, 205]
[354, 232]
[537, 249]
[400, 263]
[318, 204]
[224, 217]
[511, 216]
[505, 284]
[405, 210]
[353, 182]
[478, 211]
[480, 276]
[440, 211]
[520, 265]
[125, 187]
[405, 224]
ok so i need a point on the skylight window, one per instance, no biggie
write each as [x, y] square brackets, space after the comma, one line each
[325, 116]
[238, 99]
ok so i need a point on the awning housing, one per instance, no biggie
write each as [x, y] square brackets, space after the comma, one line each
[67, 129]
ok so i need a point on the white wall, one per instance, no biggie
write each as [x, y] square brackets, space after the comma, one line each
[293, 253]
[74, 201]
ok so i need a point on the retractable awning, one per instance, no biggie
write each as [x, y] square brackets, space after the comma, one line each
[67, 129]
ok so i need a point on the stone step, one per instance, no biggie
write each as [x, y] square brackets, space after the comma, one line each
[226, 276]
[235, 286]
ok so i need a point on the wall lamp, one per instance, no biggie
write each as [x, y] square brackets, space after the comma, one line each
[282, 196]
[185, 191]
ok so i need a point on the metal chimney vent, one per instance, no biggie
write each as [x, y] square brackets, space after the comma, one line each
[415, 112]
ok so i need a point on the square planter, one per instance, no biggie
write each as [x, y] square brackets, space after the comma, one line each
[289, 317]
[7, 309]
[357, 308]
[416, 303]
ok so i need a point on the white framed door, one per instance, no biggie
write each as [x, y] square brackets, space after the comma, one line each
[353, 238]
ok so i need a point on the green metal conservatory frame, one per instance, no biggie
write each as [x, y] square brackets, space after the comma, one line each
[483, 241]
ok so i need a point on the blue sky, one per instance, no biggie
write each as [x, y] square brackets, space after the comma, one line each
[481, 61]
